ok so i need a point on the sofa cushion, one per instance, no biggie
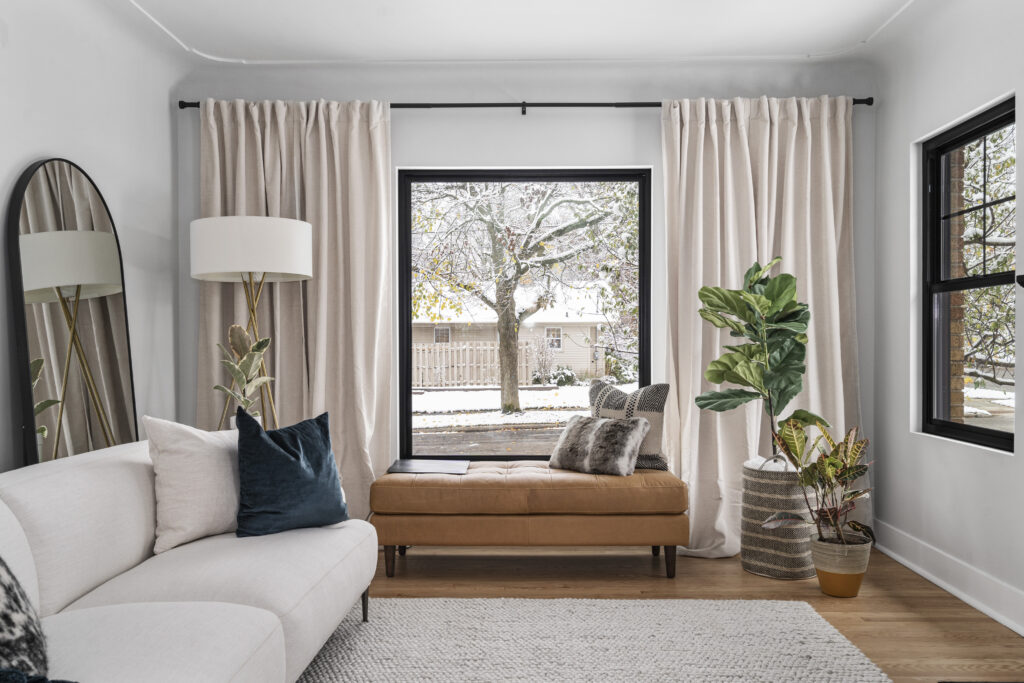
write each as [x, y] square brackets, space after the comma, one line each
[607, 400]
[171, 641]
[196, 480]
[309, 578]
[288, 477]
[22, 645]
[87, 518]
[598, 445]
[525, 487]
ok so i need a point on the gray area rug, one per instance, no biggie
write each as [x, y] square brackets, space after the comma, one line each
[427, 639]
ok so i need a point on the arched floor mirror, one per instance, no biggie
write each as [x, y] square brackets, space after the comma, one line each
[72, 356]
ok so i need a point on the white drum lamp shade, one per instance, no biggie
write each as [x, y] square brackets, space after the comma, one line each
[227, 247]
[67, 259]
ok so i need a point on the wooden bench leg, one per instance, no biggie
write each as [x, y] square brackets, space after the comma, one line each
[401, 550]
[389, 560]
[670, 561]
[655, 549]
[366, 605]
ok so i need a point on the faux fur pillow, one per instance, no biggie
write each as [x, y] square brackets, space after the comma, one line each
[22, 645]
[599, 445]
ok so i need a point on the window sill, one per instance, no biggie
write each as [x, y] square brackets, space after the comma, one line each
[962, 443]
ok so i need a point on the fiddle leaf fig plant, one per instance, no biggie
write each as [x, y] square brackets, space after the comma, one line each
[35, 371]
[243, 362]
[829, 471]
[767, 363]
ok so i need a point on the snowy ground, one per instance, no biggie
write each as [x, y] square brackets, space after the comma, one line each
[991, 408]
[494, 418]
[1003, 398]
[474, 408]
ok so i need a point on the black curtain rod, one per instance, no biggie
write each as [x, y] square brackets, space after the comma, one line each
[522, 106]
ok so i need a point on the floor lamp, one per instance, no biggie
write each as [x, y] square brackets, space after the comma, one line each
[253, 250]
[68, 267]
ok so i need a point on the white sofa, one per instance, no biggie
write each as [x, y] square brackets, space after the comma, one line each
[78, 533]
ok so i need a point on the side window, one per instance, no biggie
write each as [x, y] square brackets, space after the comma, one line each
[970, 235]
[442, 335]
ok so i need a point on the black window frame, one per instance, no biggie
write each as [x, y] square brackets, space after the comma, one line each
[932, 151]
[406, 178]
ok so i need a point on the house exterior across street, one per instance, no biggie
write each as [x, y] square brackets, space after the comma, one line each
[461, 349]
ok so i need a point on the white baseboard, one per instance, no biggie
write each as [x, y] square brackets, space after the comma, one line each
[977, 588]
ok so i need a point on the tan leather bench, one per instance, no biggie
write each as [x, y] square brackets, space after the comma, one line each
[525, 503]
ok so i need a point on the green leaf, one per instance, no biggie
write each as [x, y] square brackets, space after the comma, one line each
[862, 528]
[752, 275]
[746, 373]
[44, 404]
[234, 371]
[722, 300]
[717, 368]
[759, 303]
[798, 327]
[727, 399]
[239, 341]
[233, 394]
[720, 321]
[781, 291]
[806, 418]
[754, 352]
[855, 494]
[35, 369]
[261, 346]
[794, 438]
[42, 431]
[848, 475]
[756, 272]
[254, 386]
[785, 519]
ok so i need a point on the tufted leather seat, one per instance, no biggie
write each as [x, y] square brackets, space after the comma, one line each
[525, 503]
[528, 488]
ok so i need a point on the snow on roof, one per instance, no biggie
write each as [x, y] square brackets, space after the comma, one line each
[571, 306]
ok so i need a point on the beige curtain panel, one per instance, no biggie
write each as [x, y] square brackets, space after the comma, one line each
[750, 179]
[327, 163]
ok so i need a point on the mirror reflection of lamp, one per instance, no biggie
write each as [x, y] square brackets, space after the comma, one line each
[68, 267]
[254, 250]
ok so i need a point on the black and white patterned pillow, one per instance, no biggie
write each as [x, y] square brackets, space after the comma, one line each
[22, 644]
[606, 400]
[598, 445]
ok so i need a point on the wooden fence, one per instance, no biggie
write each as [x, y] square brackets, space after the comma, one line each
[462, 364]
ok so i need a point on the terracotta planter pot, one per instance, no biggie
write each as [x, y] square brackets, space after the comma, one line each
[840, 568]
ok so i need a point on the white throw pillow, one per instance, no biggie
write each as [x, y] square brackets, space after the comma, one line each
[196, 482]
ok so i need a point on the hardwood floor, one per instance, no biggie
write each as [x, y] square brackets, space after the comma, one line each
[912, 629]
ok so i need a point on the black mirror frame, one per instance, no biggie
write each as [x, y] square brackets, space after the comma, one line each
[23, 419]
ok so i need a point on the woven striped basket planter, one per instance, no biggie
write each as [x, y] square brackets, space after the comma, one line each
[783, 553]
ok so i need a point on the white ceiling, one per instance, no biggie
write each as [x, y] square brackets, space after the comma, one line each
[280, 31]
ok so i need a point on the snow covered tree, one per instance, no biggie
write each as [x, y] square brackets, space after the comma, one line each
[486, 241]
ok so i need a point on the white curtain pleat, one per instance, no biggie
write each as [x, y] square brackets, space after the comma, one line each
[327, 163]
[750, 179]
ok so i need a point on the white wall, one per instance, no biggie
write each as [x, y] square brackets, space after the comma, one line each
[552, 137]
[947, 509]
[80, 81]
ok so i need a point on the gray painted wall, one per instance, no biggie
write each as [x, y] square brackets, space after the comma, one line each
[947, 509]
[83, 82]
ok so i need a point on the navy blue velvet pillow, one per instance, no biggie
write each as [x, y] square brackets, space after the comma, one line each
[287, 477]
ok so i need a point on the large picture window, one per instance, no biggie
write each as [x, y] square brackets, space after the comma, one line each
[970, 212]
[542, 280]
